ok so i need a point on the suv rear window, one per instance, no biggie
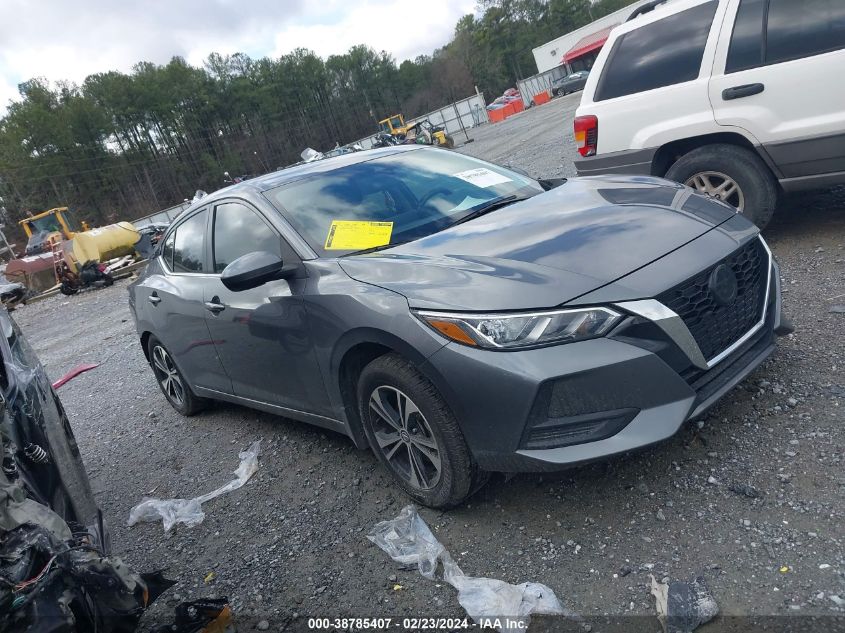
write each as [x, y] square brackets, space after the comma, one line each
[662, 53]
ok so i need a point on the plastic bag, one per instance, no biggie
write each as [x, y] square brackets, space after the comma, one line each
[309, 155]
[408, 540]
[189, 511]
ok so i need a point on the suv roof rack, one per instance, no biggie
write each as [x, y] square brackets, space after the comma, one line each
[648, 6]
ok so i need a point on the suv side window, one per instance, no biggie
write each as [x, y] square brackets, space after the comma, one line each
[803, 28]
[239, 230]
[747, 45]
[189, 245]
[662, 53]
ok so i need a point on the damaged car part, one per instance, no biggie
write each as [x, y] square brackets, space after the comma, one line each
[56, 569]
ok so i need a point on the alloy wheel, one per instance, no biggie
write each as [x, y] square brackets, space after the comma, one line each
[720, 186]
[168, 376]
[404, 437]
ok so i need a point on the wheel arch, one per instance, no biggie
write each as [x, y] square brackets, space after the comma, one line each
[669, 153]
[353, 352]
[145, 341]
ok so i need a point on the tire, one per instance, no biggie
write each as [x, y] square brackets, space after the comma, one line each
[188, 404]
[67, 289]
[450, 142]
[108, 280]
[757, 190]
[428, 430]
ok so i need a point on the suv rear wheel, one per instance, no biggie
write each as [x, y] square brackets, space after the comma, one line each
[414, 434]
[732, 174]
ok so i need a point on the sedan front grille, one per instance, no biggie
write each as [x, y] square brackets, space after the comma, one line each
[716, 327]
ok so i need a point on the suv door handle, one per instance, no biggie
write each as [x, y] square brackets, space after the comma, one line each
[154, 299]
[214, 307]
[738, 92]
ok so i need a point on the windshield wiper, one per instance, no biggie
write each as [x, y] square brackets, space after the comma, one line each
[374, 249]
[492, 205]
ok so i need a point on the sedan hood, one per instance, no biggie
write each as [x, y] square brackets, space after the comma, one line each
[547, 250]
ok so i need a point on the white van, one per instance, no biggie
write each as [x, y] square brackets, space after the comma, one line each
[740, 99]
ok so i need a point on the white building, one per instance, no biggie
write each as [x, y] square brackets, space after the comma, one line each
[579, 48]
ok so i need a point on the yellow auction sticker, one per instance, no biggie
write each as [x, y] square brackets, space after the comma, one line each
[346, 235]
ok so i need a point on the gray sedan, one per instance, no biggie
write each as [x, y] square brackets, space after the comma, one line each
[571, 83]
[456, 317]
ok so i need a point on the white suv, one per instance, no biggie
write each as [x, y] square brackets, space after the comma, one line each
[740, 99]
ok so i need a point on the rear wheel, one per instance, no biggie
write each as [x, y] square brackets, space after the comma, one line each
[414, 435]
[732, 174]
[171, 382]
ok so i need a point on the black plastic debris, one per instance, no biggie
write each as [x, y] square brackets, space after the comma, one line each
[682, 607]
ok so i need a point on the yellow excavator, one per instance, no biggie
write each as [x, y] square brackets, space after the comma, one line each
[423, 132]
[57, 248]
[51, 225]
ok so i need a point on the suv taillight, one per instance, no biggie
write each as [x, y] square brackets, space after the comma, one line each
[587, 134]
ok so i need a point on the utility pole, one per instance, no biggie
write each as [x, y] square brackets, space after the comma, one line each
[6, 248]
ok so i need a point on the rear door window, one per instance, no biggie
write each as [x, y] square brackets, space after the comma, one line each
[663, 53]
[189, 245]
[167, 250]
[802, 28]
[747, 44]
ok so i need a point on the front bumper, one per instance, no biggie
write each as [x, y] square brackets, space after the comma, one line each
[546, 409]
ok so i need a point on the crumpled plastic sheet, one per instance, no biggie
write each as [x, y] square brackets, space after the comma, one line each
[189, 511]
[408, 540]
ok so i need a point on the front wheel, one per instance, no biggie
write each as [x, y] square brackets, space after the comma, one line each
[414, 434]
[171, 382]
[732, 174]
[67, 289]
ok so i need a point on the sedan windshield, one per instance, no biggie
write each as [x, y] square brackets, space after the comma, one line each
[394, 199]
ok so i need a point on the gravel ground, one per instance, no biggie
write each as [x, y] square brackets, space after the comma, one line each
[292, 544]
[538, 140]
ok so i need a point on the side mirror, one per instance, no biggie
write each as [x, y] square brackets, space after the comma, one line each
[253, 270]
[550, 183]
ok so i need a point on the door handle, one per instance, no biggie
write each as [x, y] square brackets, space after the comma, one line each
[154, 299]
[214, 307]
[738, 92]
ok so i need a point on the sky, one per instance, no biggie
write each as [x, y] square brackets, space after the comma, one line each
[69, 40]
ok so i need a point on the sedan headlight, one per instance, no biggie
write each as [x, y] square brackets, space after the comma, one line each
[517, 330]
